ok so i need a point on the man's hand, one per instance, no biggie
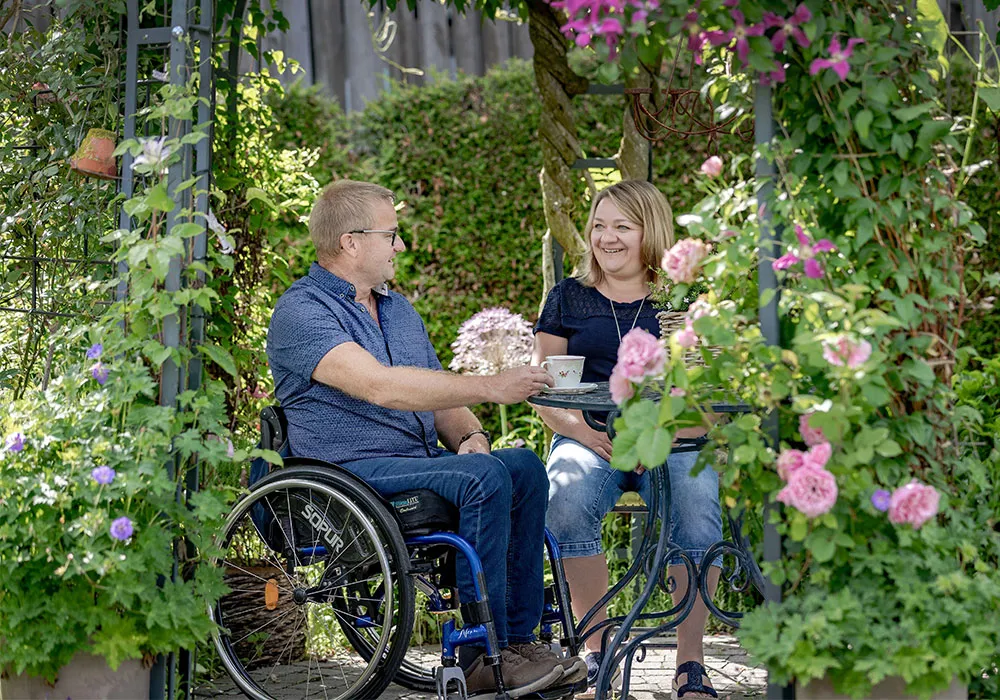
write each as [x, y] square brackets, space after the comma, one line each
[596, 440]
[477, 444]
[515, 385]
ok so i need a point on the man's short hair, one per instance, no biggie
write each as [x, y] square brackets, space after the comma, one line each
[344, 206]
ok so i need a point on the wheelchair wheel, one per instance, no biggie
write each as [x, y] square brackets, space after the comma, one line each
[303, 541]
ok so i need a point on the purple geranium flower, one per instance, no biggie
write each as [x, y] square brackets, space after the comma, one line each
[103, 475]
[121, 529]
[838, 58]
[880, 499]
[15, 442]
[100, 373]
[94, 353]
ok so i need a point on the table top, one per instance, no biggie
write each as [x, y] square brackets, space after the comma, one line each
[600, 400]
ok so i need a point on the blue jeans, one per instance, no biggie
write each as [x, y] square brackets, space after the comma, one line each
[583, 487]
[501, 499]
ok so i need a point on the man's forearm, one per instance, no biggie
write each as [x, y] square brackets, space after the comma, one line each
[417, 389]
[454, 423]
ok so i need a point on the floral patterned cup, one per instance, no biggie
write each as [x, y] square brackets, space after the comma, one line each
[566, 370]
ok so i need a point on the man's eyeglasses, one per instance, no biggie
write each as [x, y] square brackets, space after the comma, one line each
[392, 232]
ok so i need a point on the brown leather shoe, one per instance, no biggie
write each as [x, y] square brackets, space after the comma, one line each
[574, 668]
[520, 675]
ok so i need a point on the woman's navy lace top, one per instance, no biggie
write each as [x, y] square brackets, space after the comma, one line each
[583, 316]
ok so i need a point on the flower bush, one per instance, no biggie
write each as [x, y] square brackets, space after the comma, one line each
[890, 560]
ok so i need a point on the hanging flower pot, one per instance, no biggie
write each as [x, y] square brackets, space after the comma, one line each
[95, 156]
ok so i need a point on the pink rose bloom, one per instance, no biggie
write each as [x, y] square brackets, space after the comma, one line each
[640, 355]
[677, 391]
[817, 456]
[811, 436]
[621, 388]
[810, 491]
[712, 167]
[683, 262]
[687, 338]
[698, 309]
[788, 462]
[914, 503]
[843, 350]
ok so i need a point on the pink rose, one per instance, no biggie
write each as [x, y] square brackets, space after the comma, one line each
[677, 391]
[914, 503]
[788, 462]
[712, 167]
[810, 491]
[811, 436]
[843, 350]
[817, 456]
[683, 262]
[621, 388]
[699, 308]
[640, 355]
[686, 337]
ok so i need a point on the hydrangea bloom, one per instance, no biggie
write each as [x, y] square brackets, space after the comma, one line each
[881, 499]
[492, 341]
[811, 436]
[838, 58]
[914, 503]
[683, 261]
[806, 254]
[810, 491]
[640, 355]
[15, 442]
[843, 350]
[94, 352]
[121, 528]
[712, 166]
[103, 475]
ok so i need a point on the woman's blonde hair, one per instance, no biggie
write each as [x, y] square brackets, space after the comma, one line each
[642, 204]
[343, 206]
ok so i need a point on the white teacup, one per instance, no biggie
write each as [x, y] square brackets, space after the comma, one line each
[566, 370]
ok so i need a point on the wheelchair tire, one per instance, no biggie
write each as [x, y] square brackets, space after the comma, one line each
[280, 632]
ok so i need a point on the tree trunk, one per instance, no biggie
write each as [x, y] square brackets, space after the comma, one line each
[633, 155]
[557, 84]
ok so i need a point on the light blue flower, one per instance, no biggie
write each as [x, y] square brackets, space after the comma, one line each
[100, 373]
[880, 499]
[121, 529]
[15, 442]
[94, 353]
[103, 475]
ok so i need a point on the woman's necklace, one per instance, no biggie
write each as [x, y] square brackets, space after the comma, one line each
[615, 314]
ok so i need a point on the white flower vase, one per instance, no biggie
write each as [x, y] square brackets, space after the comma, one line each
[893, 688]
[85, 676]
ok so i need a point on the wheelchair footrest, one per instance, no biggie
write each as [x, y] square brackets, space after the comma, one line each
[450, 683]
[557, 692]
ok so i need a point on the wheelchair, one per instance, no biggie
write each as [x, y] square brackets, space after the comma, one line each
[324, 574]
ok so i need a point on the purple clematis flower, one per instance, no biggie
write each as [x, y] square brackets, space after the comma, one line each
[121, 529]
[100, 373]
[94, 353]
[774, 77]
[103, 475]
[15, 442]
[838, 58]
[806, 254]
[696, 37]
[789, 27]
[880, 499]
[742, 32]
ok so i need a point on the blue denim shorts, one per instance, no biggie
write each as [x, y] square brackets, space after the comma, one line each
[583, 487]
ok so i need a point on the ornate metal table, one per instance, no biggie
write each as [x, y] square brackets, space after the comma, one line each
[739, 569]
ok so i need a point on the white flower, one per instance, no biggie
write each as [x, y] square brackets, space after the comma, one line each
[216, 227]
[491, 341]
[154, 155]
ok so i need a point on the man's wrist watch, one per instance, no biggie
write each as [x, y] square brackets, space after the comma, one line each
[469, 435]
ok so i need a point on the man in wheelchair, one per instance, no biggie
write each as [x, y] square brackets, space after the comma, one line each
[361, 387]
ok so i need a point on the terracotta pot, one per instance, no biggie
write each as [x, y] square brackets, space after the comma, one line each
[95, 156]
[86, 676]
[889, 689]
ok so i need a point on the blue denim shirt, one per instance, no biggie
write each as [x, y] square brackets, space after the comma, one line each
[315, 315]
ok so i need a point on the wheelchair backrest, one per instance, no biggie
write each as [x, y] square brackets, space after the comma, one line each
[273, 429]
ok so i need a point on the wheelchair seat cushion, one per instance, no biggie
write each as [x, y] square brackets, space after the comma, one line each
[421, 512]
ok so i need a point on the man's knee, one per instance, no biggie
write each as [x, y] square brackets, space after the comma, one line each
[526, 470]
[491, 476]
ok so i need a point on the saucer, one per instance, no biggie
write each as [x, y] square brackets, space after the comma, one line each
[578, 389]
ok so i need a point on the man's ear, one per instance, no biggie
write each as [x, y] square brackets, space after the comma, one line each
[348, 244]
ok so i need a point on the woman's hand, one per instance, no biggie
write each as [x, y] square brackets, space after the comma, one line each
[598, 441]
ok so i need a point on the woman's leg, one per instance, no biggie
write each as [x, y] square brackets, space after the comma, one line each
[582, 489]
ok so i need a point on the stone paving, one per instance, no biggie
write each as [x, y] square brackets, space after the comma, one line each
[732, 674]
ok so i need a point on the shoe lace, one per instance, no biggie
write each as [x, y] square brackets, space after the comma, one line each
[533, 651]
[511, 657]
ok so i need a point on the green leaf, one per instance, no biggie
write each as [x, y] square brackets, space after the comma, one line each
[654, 446]
[863, 122]
[906, 114]
[889, 448]
[822, 545]
[991, 96]
[932, 131]
[157, 198]
[221, 357]
[255, 193]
